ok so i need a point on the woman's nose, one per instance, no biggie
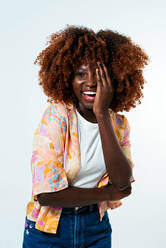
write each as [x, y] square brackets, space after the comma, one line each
[91, 80]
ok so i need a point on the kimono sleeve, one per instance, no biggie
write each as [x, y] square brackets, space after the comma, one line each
[126, 145]
[48, 173]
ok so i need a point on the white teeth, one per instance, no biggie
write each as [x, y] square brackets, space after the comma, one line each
[89, 92]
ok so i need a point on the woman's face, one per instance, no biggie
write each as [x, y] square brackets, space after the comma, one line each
[85, 85]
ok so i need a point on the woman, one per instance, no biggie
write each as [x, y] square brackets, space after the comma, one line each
[81, 162]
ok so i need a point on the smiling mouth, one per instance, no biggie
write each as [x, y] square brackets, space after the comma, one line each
[89, 97]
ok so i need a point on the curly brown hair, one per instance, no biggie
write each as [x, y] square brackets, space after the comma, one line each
[73, 46]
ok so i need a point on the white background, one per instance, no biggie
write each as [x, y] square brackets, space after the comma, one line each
[25, 26]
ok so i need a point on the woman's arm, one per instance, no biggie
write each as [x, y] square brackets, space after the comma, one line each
[74, 196]
[117, 164]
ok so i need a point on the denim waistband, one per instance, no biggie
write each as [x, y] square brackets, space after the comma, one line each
[76, 210]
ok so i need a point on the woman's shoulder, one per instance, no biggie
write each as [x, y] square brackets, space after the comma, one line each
[57, 109]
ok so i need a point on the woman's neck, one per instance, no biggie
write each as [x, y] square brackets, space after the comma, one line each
[87, 114]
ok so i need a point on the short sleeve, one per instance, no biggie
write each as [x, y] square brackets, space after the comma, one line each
[126, 145]
[48, 174]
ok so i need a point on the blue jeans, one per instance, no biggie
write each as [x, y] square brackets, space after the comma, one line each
[81, 229]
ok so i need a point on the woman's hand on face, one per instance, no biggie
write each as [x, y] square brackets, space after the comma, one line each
[105, 91]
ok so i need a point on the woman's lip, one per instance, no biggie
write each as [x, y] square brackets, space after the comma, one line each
[88, 98]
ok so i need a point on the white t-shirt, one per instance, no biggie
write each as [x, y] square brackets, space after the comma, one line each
[92, 159]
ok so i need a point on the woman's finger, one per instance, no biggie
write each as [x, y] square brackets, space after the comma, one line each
[107, 75]
[98, 77]
[101, 75]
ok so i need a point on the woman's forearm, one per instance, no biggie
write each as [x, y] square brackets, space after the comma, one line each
[78, 197]
[118, 167]
[73, 197]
